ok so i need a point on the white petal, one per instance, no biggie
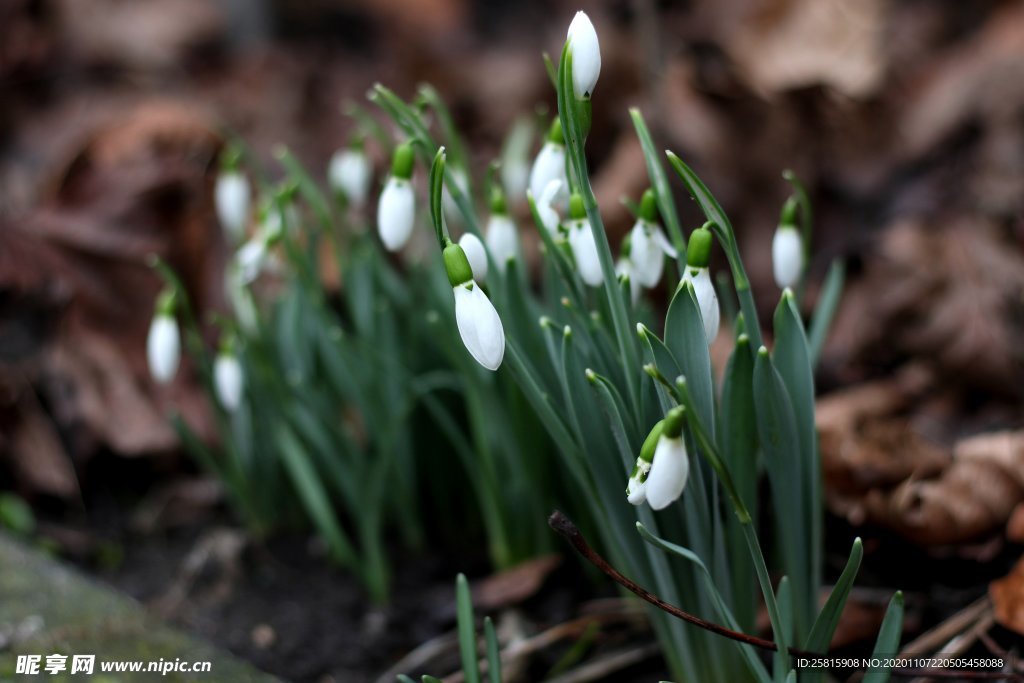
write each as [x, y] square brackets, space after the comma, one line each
[636, 488]
[232, 198]
[242, 303]
[476, 254]
[586, 56]
[707, 300]
[502, 239]
[515, 176]
[479, 325]
[668, 474]
[228, 380]
[787, 257]
[395, 213]
[646, 254]
[584, 249]
[548, 215]
[349, 172]
[549, 166]
[163, 348]
[250, 259]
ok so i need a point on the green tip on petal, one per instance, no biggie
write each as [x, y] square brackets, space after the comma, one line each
[402, 161]
[698, 252]
[555, 132]
[651, 442]
[457, 265]
[577, 210]
[674, 422]
[649, 206]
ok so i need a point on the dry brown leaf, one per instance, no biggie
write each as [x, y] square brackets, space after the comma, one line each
[1007, 596]
[39, 458]
[515, 584]
[787, 44]
[973, 497]
[1015, 527]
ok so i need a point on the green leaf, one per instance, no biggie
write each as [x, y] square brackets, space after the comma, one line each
[431, 679]
[659, 182]
[828, 619]
[750, 658]
[784, 598]
[792, 359]
[777, 432]
[684, 337]
[828, 303]
[402, 678]
[493, 652]
[888, 642]
[16, 515]
[312, 495]
[467, 630]
[436, 190]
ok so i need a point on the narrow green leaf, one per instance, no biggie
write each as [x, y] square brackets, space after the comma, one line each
[684, 337]
[402, 678]
[436, 190]
[828, 303]
[312, 495]
[467, 630]
[493, 652]
[784, 598]
[659, 181]
[431, 679]
[888, 642]
[308, 188]
[828, 619]
[750, 658]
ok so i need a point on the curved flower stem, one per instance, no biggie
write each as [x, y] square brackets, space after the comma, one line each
[572, 125]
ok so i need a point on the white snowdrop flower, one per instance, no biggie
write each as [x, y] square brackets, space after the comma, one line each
[350, 173]
[228, 379]
[624, 268]
[548, 215]
[232, 197]
[636, 487]
[550, 163]
[477, 255]
[478, 322]
[502, 239]
[586, 56]
[648, 244]
[787, 256]
[698, 255]
[240, 299]
[396, 208]
[669, 471]
[584, 246]
[163, 345]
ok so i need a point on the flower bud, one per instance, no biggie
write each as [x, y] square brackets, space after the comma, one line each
[163, 345]
[787, 256]
[232, 198]
[586, 56]
[228, 379]
[670, 466]
[584, 246]
[349, 174]
[478, 322]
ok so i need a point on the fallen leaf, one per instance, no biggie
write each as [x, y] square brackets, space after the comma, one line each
[1007, 596]
[513, 585]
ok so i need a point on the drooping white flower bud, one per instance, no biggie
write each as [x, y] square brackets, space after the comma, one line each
[671, 465]
[550, 163]
[586, 56]
[787, 256]
[228, 380]
[698, 256]
[478, 322]
[232, 197]
[584, 247]
[250, 259]
[477, 255]
[350, 173]
[501, 234]
[648, 244]
[397, 205]
[636, 487]
[163, 345]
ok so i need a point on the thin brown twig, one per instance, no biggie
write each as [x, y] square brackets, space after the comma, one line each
[565, 527]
